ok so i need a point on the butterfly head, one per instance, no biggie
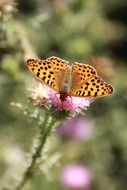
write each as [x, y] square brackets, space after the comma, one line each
[63, 96]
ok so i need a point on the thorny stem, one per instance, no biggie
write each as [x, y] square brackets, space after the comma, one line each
[44, 133]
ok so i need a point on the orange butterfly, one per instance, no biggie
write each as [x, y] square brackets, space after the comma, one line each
[80, 80]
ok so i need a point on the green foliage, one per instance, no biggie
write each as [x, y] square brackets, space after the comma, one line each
[75, 31]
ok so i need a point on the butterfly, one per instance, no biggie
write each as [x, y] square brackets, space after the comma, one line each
[78, 79]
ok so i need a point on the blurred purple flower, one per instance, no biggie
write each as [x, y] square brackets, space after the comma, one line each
[71, 104]
[76, 177]
[76, 128]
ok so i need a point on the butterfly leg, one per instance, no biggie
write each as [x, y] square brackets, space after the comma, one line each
[68, 103]
[70, 98]
[59, 102]
[56, 95]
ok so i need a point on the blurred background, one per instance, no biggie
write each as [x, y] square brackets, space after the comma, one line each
[75, 30]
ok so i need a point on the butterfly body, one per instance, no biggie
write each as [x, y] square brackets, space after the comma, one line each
[80, 80]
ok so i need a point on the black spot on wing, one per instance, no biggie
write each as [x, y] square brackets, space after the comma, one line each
[38, 73]
[43, 78]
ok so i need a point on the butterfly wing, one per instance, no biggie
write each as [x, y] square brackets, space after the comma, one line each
[44, 71]
[86, 82]
[80, 73]
[60, 68]
[50, 71]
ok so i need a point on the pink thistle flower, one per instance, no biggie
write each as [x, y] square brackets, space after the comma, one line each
[71, 104]
[43, 96]
[76, 128]
[76, 177]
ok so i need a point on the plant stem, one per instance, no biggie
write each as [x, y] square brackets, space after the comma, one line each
[44, 133]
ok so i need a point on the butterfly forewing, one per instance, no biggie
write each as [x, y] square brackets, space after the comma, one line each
[85, 71]
[58, 64]
[44, 71]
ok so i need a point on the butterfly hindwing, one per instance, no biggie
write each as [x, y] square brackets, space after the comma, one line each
[60, 68]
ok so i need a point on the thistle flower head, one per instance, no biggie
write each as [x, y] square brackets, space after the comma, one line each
[71, 104]
[38, 95]
[43, 96]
